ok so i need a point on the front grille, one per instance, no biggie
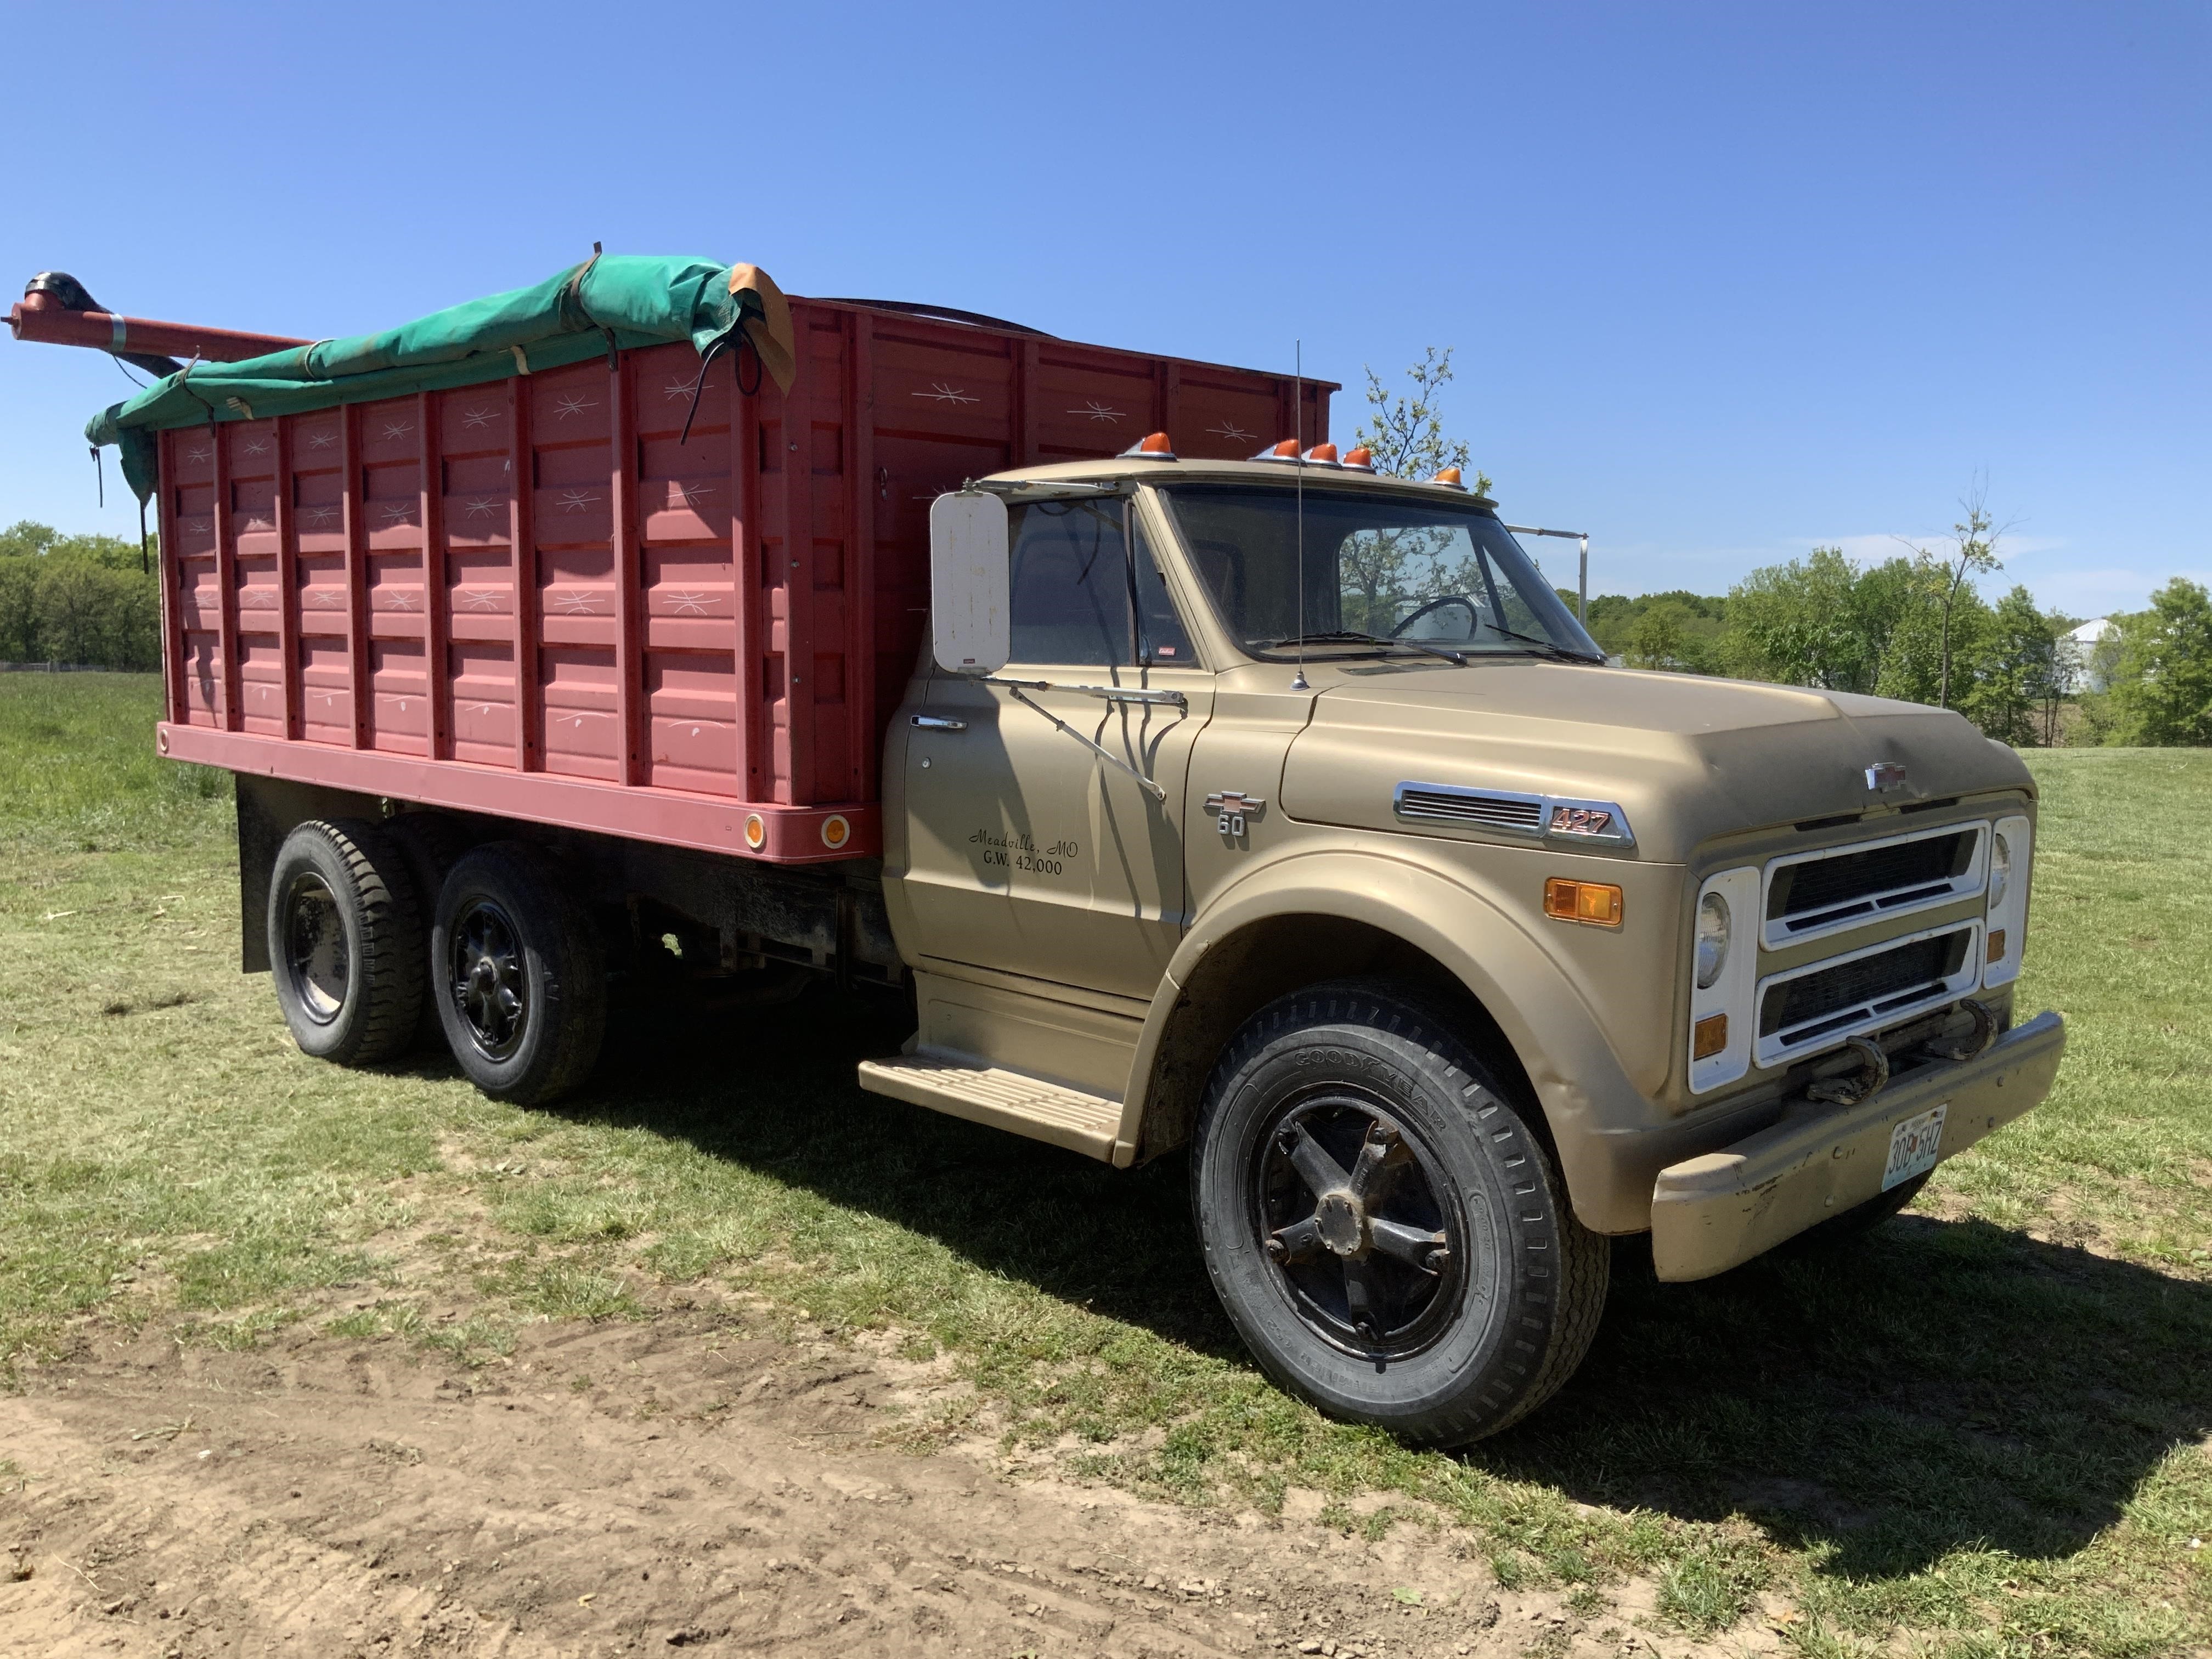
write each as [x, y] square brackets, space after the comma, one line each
[1862, 989]
[1848, 885]
[1522, 813]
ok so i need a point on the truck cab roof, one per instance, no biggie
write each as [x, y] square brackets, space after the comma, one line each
[1146, 470]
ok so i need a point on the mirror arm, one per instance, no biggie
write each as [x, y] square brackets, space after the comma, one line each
[1110, 758]
[1109, 693]
[1044, 490]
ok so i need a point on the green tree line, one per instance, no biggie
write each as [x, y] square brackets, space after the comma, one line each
[76, 599]
[1823, 621]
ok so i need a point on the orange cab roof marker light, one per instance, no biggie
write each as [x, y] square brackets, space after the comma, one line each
[1448, 478]
[1361, 459]
[1285, 451]
[1321, 455]
[1154, 446]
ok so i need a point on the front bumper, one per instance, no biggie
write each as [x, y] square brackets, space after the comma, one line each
[1717, 1210]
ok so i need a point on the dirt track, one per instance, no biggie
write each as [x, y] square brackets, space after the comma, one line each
[679, 1483]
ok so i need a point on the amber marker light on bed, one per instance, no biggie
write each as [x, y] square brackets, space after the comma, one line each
[1709, 1036]
[1593, 901]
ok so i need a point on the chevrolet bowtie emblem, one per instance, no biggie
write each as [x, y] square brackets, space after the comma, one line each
[1885, 776]
[1235, 800]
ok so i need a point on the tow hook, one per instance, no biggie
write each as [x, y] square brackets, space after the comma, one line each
[1851, 1088]
[1978, 1041]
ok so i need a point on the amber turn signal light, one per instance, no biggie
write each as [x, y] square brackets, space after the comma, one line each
[1997, 944]
[1709, 1036]
[1593, 901]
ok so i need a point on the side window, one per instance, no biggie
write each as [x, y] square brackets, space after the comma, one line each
[1070, 583]
[1163, 637]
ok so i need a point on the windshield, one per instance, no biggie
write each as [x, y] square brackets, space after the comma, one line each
[1382, 574]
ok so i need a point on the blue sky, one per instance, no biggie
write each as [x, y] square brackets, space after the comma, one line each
[1724, 281]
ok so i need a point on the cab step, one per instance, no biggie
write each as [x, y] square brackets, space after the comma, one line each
[1005, 1100]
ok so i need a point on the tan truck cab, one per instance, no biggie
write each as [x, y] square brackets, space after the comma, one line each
[1283, 810]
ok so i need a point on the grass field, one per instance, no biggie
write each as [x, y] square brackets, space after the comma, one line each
[1986, 1430]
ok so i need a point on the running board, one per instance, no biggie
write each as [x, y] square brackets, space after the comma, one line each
[1007, 1100]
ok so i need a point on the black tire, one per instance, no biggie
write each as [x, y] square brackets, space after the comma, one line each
[522, 975]
[345, 942]
[431, 843]
[1454, 1347]
[1840, 1232]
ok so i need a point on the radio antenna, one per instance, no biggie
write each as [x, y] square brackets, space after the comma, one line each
[1298, 431]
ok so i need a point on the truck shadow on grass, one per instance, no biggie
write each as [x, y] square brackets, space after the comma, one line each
[1935, 1386]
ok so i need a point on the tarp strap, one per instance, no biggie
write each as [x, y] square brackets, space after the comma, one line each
[699, 387]
[575, 314]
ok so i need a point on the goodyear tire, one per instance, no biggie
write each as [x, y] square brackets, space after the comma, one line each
[430, 844]
[522, 978]
[1389, 1235]
[345, 942]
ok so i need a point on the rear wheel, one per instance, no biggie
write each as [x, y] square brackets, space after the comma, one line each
[345, 942]
[1388, 1232]
[521, 975]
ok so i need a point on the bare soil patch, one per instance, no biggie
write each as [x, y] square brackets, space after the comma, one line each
[683, 1482]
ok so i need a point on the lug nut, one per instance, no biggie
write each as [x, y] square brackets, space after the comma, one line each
[1439, 1259]
[1276, 1250]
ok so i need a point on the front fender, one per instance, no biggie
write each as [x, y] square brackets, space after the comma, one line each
[1524, 968]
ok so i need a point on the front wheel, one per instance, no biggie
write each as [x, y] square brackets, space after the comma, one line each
[1389, 1233]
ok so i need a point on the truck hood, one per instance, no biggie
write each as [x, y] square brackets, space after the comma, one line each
[1686, 758]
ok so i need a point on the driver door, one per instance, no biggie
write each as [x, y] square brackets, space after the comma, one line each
[1028, 853]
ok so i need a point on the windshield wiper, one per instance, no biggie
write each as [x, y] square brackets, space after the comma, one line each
[1346, 636]
[1551, 647]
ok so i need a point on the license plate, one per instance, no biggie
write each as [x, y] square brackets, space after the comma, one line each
[1913, 1146]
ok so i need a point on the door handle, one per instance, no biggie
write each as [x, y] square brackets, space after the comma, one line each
[939, 723]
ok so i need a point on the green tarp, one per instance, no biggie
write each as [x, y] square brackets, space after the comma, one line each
[636, 299]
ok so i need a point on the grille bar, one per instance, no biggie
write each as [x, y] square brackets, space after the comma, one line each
[1812, 894]
[1816, 1007]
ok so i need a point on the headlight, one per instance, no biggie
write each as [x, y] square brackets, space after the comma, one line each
[1712, 939]
[2000, 870]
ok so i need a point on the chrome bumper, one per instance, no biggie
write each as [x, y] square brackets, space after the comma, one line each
[1717, 1211]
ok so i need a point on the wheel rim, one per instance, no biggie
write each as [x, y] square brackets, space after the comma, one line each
[489, 988]
[1349, 1211]
[317, 958]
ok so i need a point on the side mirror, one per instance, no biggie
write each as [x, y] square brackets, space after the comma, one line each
[969, 583]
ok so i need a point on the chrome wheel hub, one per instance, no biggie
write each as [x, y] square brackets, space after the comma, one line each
[490, 987]
[1353, 1214]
